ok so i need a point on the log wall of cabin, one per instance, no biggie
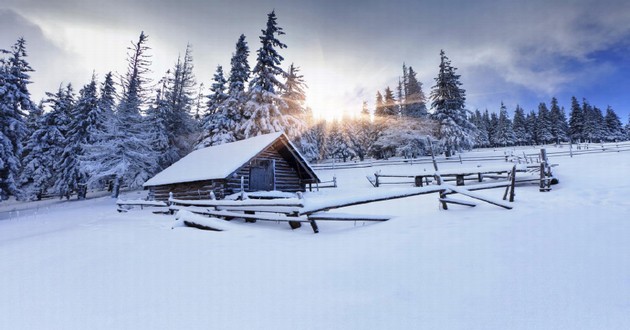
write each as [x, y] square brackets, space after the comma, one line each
[286, 177]
[189, 190]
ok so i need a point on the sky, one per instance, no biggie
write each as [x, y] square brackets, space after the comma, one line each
[516, 52]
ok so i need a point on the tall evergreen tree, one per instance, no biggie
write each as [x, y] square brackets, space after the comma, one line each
[531, 119]
[576, 121]
[543, 125]
[262, 111]
[337, 142]
[217, 91]
[481, 139]
[220, 121]
[379, 105]
[180, 96]
[504, 135]
[593, 122]
[415, 102]
[15, 104]
[85, 114]
[448, 103]
[558, 121]
[294, 96]
[389, 103]
[614, 128]
[521, 133]
[125, 155]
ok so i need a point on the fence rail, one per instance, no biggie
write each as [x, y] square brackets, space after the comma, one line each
[511, 156]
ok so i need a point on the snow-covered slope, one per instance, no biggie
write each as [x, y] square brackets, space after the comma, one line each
[558, 260]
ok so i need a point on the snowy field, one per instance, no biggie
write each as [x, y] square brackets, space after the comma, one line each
[558, 260]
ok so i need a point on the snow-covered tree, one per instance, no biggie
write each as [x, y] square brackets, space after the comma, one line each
[504, 133]
[262, 111]
[294, 96]
[448, 102]
[614, 129]
[337, 142]
[389, 103]
[531, 120]
[543, 125]
[522, 136]
[415, 101]
[220, 122]
[362, 133]
[593, 122]
[158, 116]
[125, 154]
[576, 121]
[481, 138]
[81, 130]
[558, 120]
[379, 105]
[15, 104]
[217, 91]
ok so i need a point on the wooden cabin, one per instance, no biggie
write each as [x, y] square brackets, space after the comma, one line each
[262, 163]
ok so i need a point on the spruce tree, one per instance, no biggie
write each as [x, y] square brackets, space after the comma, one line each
[504, 135]
[125, 154]
[81, 130]
[219, 124]
[379, 105]
[15, 104]
[614, 128]
[558, 122]
[389, 103]
[576, 122]
[543, 125]
[262, 111]
[521, 133]
[415, 102]
[481, 139]
[294, 96]
[531, 121]
[448, 102]
[338, 145]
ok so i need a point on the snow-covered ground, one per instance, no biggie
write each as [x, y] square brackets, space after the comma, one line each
[558, 260]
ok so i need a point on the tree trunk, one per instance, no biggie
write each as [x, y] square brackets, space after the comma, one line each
[116, 188]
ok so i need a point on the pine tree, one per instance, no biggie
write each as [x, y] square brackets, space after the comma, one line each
[218, 91]
[220, 121]
[15, 103]
[85, 114]
[576, 121]
[614, 128]
[379, 105]
[493, 130]
[543, 125]
[180, 97]
[362, 134]
[504, 135]
[106, 103]
[262, 111]
[47, 144]
[389, 103]
[593, 122]
[415, 103]
[158, 117]
[124, 154]
[294, 96]
[531, 120]
[558, 122]
[521, 132]
[337, 142]
[448, 103]
[481, 139]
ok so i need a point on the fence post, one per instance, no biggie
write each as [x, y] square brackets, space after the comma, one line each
[376, 180]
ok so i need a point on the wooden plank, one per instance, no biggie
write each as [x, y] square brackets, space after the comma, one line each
[471, 194]
[263, 217]
[457, 201]
[326, 216]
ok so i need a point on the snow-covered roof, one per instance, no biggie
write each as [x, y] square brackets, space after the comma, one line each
[216, 162]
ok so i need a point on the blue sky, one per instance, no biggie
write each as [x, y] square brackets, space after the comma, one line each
[518, 52]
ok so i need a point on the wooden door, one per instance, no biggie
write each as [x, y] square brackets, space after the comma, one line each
[262, 175]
